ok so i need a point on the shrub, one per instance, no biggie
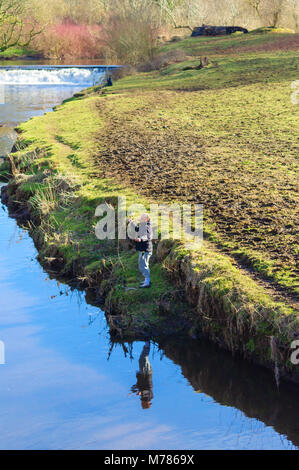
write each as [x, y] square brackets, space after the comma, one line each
[176, 39]
[270, 29]
[122, 72]
[163, 60]
[131, 35]
[67, 40]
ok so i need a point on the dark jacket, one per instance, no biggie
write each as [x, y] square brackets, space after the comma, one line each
[144, 385]
[145, 233]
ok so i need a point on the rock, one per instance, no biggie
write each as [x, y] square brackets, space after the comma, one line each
[175, 39]
[204, 62]
[207, 30]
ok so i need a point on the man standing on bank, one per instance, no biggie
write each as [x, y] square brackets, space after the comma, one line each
[144, 245]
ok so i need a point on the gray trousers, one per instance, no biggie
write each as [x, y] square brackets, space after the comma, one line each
[143, 264]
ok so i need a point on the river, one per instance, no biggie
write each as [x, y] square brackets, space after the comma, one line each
[64, 385]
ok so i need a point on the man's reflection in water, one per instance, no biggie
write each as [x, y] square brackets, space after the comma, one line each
[144, 385]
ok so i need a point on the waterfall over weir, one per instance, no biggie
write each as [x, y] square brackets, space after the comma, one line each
[72, 75]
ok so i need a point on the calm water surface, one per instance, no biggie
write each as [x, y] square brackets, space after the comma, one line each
[65, 387]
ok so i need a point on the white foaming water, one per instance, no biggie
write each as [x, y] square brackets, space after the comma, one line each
[63, 76]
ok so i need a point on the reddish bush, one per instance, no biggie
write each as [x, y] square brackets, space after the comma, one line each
[69, 40]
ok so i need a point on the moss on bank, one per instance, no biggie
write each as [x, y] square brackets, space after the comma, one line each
[58, 179]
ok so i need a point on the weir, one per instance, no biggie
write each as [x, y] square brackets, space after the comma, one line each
[46, 75]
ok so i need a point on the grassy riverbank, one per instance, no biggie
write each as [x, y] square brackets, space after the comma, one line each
[19, 52]
[222, 136]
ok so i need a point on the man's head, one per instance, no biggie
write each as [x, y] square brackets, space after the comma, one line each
[145, 404]
[144, 218]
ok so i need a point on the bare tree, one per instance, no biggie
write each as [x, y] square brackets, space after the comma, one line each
[16, 29]
[294, 10]
[256, 5]
[273, 10]
[184, 14]
[234, 11]
[168, 9]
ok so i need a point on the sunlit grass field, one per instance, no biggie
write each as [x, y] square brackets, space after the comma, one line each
[225, 136]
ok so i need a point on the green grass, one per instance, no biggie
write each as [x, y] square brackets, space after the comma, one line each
[240, 148]
[70, 226]
[14, 52]
[225, 72]
[230, 45]
[234, 61]
[237, 112]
